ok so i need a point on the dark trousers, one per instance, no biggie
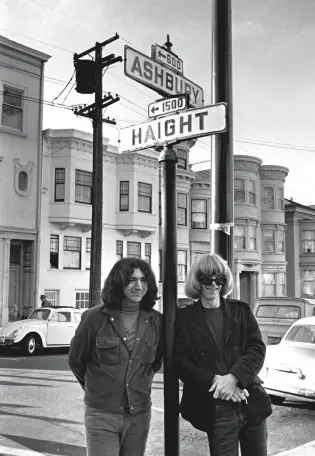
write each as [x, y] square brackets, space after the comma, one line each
[116, 434]
[230, 430]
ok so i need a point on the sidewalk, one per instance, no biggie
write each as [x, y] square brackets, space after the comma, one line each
[308, 449]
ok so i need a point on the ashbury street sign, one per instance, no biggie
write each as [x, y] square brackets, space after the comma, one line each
[192, 123]
[162, 79]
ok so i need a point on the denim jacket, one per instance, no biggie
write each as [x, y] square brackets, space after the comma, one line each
[115, 380]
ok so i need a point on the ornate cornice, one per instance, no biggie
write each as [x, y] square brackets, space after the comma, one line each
[200, 185]
[35, 63]
[147, 162]
[273, 172]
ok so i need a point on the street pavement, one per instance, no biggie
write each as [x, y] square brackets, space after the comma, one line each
[42, 415]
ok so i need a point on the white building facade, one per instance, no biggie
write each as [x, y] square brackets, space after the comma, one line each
[21, 92]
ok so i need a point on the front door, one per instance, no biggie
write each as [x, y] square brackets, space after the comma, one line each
[60, 329]
[14, 290]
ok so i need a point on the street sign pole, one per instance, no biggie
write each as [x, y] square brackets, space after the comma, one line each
[168, 160]
[222, 144]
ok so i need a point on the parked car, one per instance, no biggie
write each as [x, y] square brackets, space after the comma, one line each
[276, 315]
[45, 327]
[289, 367]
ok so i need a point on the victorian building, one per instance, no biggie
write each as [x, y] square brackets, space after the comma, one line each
[21, 92]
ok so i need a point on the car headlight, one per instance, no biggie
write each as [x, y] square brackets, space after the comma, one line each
[14, 333]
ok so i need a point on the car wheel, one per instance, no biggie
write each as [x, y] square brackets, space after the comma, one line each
[276, 400]
[31, 345]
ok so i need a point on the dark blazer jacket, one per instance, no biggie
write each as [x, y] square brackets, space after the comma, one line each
[196, 352]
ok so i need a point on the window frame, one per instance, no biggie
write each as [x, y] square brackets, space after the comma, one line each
[80, 185]
[310, 281]
[182, 208]
[182, 158]
[273, 284]
[280, 198]
[134, 243]
[304, 241]
[181, 278]
[195, 212]
[119, 249]
[264, 231]
[240, 237]
[59, 200]
[83, 292]
[21, 108]
[144, 195]
[55, 245]
[88, 247]
[266, 206]
[240, 190]
[65, 239]
[148, 252]
[122, 193]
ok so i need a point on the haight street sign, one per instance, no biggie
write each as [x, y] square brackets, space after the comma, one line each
[162, 55]
[192, 123]
[168, 105]
[162, 79]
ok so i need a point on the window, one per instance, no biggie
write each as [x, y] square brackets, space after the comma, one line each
[278, 311]
[54, 251]
[308, 241]
[251, 191]
[252, 236]
[83, 187]
[71, 252]
[304, 334]
[199, 214]
[23, 181]
[240, 237]
[124, 196]
[59, 184]
[160, 266]
[182, 159]
[119, 250]
[269, 241]
[268, 199]
[77, 317]
[239, 190]
[147, 252]
[52, 296]
[280, 241]
[82, 299]
[181, 265]
[62, 317]
[280, 199]
[12, 110]
[281, 284]
[269, 284]
[308, 282]
[181, 209]
[134, 249]
[87, 253]
[144, 197]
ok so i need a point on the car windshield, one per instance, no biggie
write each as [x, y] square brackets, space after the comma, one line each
[41, 314]
[279, 311]
[302, 333]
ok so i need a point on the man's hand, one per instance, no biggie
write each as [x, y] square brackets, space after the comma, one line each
[223, 386]
[239, 395]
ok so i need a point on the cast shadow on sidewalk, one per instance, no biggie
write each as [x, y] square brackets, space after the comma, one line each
[47, 446]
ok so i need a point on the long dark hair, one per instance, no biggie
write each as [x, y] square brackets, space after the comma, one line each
[118, 279]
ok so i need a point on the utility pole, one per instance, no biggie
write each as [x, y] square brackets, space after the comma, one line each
[168, 160]
[89, 80]
[222, 144]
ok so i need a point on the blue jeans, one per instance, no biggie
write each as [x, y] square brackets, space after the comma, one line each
[116, 434]
[230, 430]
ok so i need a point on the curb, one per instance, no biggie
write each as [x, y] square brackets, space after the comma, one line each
[12, 451]
[300, 450]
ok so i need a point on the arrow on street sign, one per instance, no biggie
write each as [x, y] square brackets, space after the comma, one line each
[192, 123]
[161, 55]
[163, 80]
[168, 105]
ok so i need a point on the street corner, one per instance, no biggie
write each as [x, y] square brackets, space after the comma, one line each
[308, 449]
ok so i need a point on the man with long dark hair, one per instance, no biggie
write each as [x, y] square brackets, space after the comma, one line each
[116, 350]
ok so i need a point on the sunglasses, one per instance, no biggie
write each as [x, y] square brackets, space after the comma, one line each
[206, 280]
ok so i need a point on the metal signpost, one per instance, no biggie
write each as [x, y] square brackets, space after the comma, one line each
[171, 124]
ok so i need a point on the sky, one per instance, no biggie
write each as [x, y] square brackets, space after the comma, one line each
[273, 68]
